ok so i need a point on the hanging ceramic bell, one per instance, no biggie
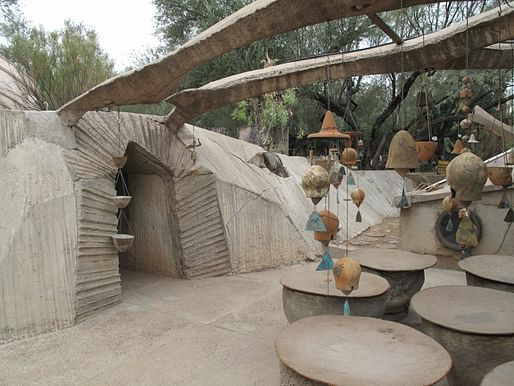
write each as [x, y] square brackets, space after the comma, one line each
[360, 143]
[329, 129]
[347, 273]
[331, 225]
[357, 196]
[500, 175]
[466, 234]
[402, 155]
[466, 174]
[122, 241]
[425, 150]
[458, 147]
[316, 183]
[350, 157]
[472, 140]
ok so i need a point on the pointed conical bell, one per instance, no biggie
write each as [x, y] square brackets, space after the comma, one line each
[403, 155]
[326, 263]
[316, 183]
[328, 128]
[315, 223]
[404, 202]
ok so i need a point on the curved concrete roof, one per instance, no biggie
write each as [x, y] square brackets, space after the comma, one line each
[12, 96]
[258, 20]
[440, 50]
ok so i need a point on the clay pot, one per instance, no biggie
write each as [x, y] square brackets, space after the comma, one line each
[119, 161]
[122, 241]
[350, 156]
[357, 196]
[425, 150]
[329, 128]
[316, 183]
[121, 201]
[467, 174]
[331, 224]
[402, 155]
[500, 175]
[347, 273]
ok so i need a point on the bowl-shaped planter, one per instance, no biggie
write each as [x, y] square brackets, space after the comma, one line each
[122, 241]
[500, 175]
[121, 201]
[425, 150]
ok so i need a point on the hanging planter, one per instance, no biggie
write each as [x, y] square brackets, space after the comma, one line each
[121, 201]
[119, 161]
[122, 241]
[500, 175]
[425, 150]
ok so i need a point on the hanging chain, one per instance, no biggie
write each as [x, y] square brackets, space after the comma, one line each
[328, 82]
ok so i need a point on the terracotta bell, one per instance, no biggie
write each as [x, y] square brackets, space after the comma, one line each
[402, 153]
[331, 224]
[316, 183]
[425, 149]
[350, 156]
[500, 175]
[466, 174]
[458, 148]
[329, 128]
[357, 196]
[347, 273]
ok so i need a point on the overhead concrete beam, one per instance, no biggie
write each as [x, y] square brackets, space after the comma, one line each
[258, 20]
[443, 49]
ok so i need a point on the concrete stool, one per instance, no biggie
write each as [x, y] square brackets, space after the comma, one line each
[305, 294]
[358, 351]
[502, 375]
[475, 324]
[403, 269]
[491, 271]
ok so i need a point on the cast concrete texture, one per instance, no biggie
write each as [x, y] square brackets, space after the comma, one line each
[167, 331]
[11, 95]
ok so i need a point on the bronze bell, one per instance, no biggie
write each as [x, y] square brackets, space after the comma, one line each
[403, 154]
[316, 183]
[466, 174]
[347, 273]
[329, 128]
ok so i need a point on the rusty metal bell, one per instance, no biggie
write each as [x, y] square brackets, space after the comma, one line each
[403, 155]
[347, 273]
[466, 174]
[331, 224]
[316, 183]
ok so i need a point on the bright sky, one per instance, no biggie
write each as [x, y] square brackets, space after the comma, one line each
[123, 27]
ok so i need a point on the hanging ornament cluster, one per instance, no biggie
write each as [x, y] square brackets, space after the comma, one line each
[122, 241]
[357, 197]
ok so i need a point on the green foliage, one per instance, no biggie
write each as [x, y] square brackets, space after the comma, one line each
[59, 65]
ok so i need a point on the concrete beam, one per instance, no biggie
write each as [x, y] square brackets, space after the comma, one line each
[258, 20]
[377, 20]
[443, 49]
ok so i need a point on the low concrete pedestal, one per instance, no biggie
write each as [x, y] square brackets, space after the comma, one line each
[309, 293]
[502, 375]
[491, 271]
[358, 351]
[476, 325]
[403, 269]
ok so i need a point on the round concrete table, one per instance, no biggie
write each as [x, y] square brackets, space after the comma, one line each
[403, 269]
[358, 351]
[503, 375]
[475, 324]
[308, 293]
[491, 271]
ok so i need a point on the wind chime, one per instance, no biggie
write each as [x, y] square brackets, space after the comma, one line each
[425, 149]
[122, 241]
[327, 170]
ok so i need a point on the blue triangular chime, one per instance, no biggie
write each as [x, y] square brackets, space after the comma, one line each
[346, 308]
[351, 180]
[315, 223]
[326, 263]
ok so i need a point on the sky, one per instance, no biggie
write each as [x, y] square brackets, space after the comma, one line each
[123, 27]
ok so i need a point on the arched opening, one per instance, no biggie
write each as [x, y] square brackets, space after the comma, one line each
[151, 215]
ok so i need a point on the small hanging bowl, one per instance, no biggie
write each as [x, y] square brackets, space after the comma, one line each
[121, 201]
[122, 241]
[119, 161]
[425, 150]
[500, 175]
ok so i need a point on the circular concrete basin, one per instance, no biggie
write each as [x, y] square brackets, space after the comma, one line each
[502, 375]
[403, 269]
[309, 293]
[476, 325]
[358, 351]
[491, 271]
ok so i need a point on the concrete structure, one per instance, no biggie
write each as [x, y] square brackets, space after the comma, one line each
[13, 96]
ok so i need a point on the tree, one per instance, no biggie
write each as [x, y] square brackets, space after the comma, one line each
[59, 65]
